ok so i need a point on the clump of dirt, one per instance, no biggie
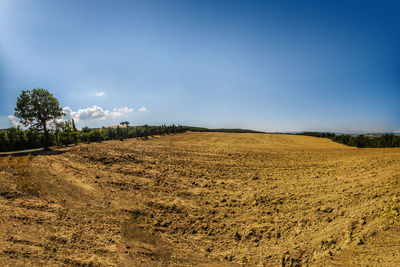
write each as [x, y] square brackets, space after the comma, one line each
[201, 199]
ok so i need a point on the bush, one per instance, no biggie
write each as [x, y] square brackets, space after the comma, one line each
[84, 137]
[4, 142]
[95, 136]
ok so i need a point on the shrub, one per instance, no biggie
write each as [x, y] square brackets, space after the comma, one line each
[95, 136]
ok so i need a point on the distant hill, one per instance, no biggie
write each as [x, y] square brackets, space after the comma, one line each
[223, 130]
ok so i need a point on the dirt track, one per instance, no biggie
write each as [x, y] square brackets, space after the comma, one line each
[20, 152]
[202, 199]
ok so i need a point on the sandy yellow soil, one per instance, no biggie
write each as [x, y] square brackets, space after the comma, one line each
[208, 199]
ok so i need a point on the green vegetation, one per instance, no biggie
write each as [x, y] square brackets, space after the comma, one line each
[65, 134]
[384, 140]
[37, 108]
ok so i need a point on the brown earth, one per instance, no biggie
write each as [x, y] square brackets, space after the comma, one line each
[203, 199]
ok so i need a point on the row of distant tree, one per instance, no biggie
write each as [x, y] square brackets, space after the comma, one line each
[40, 112]
[65, 133]
[221, 130]
[37, 109]
[384, 140]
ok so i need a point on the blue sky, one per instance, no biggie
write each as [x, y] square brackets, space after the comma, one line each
[287, 66]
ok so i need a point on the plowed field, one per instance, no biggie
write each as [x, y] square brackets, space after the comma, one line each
[208, 199]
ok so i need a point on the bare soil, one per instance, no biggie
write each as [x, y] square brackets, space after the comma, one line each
[202, 199]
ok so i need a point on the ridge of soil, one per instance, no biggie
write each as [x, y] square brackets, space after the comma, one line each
[203, 199]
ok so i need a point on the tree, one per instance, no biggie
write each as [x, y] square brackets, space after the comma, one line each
[95, 136]
[85, 129]
[73, 125]
[36, 108]
[74, 132]
[4, 142]
[66, 134]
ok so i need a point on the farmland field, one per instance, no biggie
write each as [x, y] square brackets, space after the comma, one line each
[202, 199]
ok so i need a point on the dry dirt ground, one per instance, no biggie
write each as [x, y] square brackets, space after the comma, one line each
[202, 199]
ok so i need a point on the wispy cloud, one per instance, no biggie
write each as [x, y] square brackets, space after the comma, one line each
[13, 121]
[99, 94]
[142, 109]
[95, 113]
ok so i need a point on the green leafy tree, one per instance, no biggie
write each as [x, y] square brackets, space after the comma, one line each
[4, 142]
[125, 123]
[95, 136]
[85, 129]
[36, 108]
[75, 132]
[33, 138]
[66, 133]
[13, 138]
[84, 137]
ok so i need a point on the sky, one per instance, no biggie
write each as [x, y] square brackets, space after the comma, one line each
[264, 65]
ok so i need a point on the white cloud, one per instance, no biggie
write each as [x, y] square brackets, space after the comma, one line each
[95, 113]
[142, 109]
[99, 94]
[13, 122]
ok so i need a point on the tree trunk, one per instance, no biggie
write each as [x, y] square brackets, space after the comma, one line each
[57, 140]
[46, 136]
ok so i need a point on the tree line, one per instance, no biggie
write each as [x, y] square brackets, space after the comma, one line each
[221, 130]
[372, 141]
[65, 133]
[38, 109]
